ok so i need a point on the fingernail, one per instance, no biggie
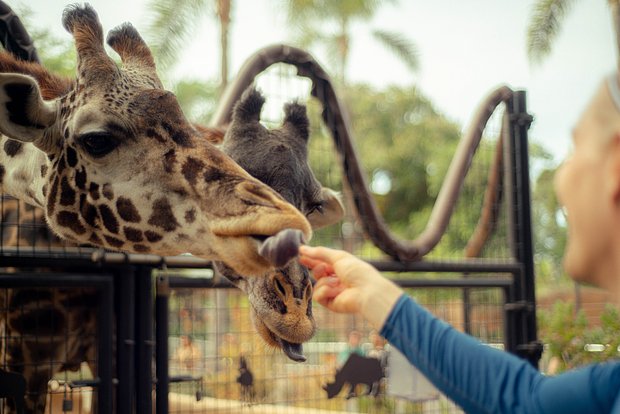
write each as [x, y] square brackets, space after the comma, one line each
[331, 280]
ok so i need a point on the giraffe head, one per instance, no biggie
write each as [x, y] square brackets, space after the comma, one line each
[123, 168]
[281, 299]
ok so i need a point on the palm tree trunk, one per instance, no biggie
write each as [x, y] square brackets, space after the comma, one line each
[223, 14]
[614, 6]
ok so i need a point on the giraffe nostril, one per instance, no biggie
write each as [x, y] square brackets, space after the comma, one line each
[279, 287]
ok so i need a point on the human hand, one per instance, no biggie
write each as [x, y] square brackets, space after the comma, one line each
[347, 284]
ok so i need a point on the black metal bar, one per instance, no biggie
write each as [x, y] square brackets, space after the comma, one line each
[467, 309]
[144, 340]
[161, 348]
[482, 282]
[29, 279]
[523, 340]
[125, 340]
[455, 266]
[106, 335]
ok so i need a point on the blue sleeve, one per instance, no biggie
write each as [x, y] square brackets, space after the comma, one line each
[482, 379]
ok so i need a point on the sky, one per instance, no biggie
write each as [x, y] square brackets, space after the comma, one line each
[466, 49]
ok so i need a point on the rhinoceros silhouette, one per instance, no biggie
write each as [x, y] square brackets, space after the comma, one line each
[356, 370]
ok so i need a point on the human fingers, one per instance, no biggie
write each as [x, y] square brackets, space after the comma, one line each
[322, 270]
[324, 293]
[309, 262]
[320, 253]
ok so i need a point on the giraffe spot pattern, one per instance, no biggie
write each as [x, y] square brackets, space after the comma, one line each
[93, 190]
[133, 234]
[191, 168]
[95, 240]
[127, 210]
[80, 179]
[51, 199]
[107, 191]
[71, 157]
[213, 174]
[152, 236]
[114, 242]
[190, 216]
[162, 215]
[109, 220]
[12, 147]
[67, 193]
[170, 158]
[151, 133]
[141, 248]
[71, 221]
[49, 321]
[88, 211]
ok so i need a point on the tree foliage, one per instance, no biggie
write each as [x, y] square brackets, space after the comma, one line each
[327, 24]
[568, 334]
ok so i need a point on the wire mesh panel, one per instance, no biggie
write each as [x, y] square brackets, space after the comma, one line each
[53, 328]
[26, 234]
[406, 170]
[218, 364]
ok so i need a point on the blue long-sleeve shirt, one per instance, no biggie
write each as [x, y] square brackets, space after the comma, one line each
[482, 379]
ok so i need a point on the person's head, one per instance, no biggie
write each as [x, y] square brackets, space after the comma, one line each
[376, 340]
[186, 340]
[588, 186]
[355, 338]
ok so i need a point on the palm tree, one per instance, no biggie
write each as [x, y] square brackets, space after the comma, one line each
[172, 21]
[329, 22]
[546, 20]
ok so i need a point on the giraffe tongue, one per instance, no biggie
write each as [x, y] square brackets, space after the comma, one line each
[293, 351]
[281, 248]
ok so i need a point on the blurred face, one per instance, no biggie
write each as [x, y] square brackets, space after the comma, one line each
[586, 187]
[354, 338]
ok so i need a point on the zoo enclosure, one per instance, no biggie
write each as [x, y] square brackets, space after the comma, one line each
[126, 283]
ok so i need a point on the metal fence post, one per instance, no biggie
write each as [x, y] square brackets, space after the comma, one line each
[522, 307]
[126, 341]
[161, 348]
[144, 339]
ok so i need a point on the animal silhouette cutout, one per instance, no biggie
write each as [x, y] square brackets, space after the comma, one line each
[355, 371]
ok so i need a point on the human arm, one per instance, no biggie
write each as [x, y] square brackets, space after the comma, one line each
[482, 379]
[477, 377]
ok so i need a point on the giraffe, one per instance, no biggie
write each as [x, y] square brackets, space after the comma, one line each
[42, 324]
[281, 300]
[114, 163]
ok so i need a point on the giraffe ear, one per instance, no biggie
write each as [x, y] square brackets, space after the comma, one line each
[332, 210]
[24, 115]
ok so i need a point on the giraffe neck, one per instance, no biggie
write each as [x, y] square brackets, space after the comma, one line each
[23, 168]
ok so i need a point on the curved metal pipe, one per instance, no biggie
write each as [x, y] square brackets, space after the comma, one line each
[336, 119]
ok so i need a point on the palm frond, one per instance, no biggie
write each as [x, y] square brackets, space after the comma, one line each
[171, 22]
[404, 48]
[545, 23]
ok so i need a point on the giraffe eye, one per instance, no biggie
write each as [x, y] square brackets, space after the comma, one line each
[98, 144]
[318, 207]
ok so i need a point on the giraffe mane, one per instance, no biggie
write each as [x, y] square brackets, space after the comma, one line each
[51, 85]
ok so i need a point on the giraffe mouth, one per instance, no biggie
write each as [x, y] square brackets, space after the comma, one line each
[293, 351]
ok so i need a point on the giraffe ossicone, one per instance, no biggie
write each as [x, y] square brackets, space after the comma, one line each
[114, 162]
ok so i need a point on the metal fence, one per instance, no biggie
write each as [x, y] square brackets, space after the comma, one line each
[112, 332]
